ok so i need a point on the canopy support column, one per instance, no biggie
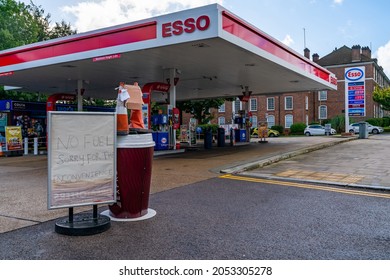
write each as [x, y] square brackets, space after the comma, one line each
[80, 95]
[172, 102]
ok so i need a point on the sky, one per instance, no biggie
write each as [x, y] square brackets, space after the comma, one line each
[319, 25]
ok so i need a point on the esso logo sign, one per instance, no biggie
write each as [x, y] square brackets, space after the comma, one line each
[189, 25]
[333, 80]
[354, 74]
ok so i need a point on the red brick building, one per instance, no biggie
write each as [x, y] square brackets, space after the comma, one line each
[313, 106]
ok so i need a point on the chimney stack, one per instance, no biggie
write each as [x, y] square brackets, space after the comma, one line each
[356, 53]
[306, 53]
[366, 52]
[316, 57]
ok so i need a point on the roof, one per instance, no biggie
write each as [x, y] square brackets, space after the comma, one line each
[341, 56]
[216, 54]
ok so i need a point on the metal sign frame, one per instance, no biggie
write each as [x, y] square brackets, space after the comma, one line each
[81, 158]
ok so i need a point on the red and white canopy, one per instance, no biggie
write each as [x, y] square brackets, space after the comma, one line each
[216, 54]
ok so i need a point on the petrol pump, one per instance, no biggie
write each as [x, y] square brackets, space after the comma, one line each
[244, 118]
[165, 121]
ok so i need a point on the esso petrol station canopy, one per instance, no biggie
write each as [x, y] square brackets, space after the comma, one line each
[213, 52]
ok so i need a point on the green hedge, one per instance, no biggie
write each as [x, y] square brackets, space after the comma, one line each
[278, 128]
[383, 122]
[297, 128]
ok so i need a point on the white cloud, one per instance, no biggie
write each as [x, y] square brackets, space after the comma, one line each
[92, 15]
[383, 55]
[288, 40]
[338, 2]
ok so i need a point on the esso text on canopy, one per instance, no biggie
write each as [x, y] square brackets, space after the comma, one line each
[354, 74]
[189, 25]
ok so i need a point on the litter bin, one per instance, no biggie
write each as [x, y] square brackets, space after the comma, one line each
[134, 173]
[208, 139]
[363, 130]
[221, 137]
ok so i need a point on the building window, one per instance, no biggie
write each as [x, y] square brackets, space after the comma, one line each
[271, 103]
[307, 119]
[322, 95]
[270, 121]
[236, 106]
[323, 111]
[288, 119]
[306, 102]
[221, 120]
[288, 103]
[254, 121]
[221, 108]
[253, 104]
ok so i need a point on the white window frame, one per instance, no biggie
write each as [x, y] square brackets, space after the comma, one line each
[306, 102]
[268, 103]
[234, 106]
[320, 108]
[322, 95]
[220, 120]
[285, 103]
[285, 120]
[269, 123]
[253, 103]
[221, 108]
[254, 121]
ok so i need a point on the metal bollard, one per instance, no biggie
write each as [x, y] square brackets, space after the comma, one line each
[35, 146]
[26, 146]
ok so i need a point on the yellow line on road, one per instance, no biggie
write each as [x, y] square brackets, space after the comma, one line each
[305, 186]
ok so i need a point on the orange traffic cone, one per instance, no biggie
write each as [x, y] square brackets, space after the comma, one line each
[122, 121]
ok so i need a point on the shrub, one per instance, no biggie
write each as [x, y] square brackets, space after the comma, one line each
[375, 121]
[279, 128]
[386, 121]
[297, 128]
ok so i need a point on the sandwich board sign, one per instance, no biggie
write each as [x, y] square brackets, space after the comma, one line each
[81, 158]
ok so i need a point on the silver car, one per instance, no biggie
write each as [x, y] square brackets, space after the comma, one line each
[316, 129]
[354, 128]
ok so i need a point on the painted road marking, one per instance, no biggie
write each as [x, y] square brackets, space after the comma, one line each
[305, 186]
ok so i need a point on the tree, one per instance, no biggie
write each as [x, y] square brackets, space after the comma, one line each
[200, 109]
[16, 26]
[61, 30]
[22, 24]
[382, 96]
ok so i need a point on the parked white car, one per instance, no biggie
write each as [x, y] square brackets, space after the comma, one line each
[316, 129]
[354, 128]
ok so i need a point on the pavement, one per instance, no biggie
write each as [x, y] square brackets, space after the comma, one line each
[337, 160]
